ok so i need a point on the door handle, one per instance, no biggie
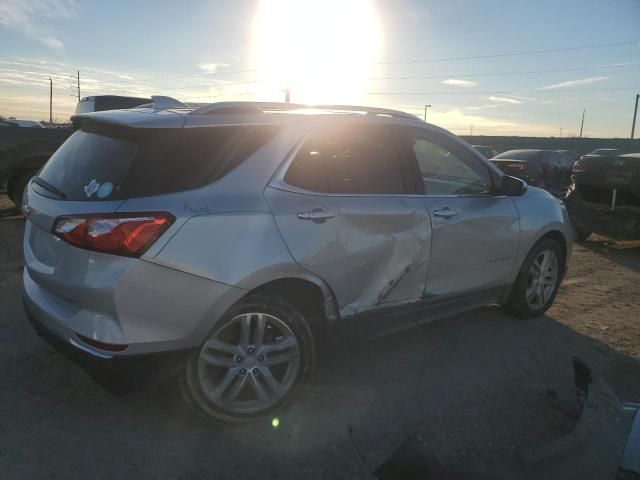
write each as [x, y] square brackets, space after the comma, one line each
[446, 212]
[316, 215]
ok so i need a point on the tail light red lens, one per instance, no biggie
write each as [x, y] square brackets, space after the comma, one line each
[127, 234]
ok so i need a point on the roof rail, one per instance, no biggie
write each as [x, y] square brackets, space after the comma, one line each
[260, 107]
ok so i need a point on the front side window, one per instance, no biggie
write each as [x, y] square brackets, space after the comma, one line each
[449, 171]
[351, 160]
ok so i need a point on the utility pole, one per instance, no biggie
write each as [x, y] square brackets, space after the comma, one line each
[471, 132]
[287, 95]
[50, 101]
[78, 85]
[560, 132]
[635, 114]
[425, 111]
[582, 123]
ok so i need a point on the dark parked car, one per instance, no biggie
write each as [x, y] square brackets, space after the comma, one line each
[23, 151]
[605, 196]
[571, 154]
[605, 151]
[488, 152]
[546, 169]
[101, 103]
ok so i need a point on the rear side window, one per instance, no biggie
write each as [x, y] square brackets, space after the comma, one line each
[108, 164]
[354, 160]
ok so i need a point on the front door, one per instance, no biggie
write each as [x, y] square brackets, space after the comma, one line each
[475, 232]
[343, 212]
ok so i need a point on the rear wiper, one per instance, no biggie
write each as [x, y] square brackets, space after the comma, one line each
[47, 186]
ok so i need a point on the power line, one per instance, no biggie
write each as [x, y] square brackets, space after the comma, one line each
[442, 59]
[511, 54]
[504, 92]
[488, 74]
[500, 74]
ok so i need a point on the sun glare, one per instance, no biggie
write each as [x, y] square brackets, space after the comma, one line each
[322, 50]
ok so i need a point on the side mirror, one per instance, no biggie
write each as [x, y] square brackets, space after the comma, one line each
[512, 186]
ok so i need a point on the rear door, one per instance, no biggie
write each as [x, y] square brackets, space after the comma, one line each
[343, 209]
[475, 232]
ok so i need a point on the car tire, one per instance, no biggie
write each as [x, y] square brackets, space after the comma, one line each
[234, 376]
[536, 286]
[16, 190]
[581, 234]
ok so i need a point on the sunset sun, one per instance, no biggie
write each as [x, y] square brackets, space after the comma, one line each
[323, 51]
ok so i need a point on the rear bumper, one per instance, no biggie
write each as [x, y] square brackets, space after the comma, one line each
[623, 223]
[117, 374]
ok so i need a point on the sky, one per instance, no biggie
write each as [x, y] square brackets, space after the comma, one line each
[488, 67]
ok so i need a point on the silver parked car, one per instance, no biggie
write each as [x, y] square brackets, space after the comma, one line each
[221, 243]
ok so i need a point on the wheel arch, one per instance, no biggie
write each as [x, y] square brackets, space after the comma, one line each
[557, 236]
[308, 293]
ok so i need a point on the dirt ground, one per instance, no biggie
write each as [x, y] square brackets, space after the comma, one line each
[473, 384]
[601, 295]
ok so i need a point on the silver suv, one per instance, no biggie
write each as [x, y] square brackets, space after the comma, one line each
[221, 243]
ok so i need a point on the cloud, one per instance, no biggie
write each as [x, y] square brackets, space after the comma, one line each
[504, 100]
[52, 42]
[24, 84]
[573, 83]
[30, 17]
[454, 119]
[459, 83]
[211, 67]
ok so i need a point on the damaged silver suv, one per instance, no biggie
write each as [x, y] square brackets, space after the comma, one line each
[221, 243]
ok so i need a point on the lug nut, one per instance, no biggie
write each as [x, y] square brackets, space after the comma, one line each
[261, 358]
[238, 358]
[256, 371]
[251, 349]
[243, 371]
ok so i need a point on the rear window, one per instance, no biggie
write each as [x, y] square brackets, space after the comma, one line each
[519, 155]
[110, 164]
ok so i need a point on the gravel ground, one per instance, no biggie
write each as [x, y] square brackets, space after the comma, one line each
[474, 383]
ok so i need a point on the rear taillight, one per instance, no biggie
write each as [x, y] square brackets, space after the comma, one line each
[578, 167]
[127, 234]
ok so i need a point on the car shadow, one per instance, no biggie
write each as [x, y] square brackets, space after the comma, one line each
[625, 253]
[482, 382]
[11, 213]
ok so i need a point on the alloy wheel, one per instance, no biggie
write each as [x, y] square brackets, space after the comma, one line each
[250, 364]
[542, 279]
